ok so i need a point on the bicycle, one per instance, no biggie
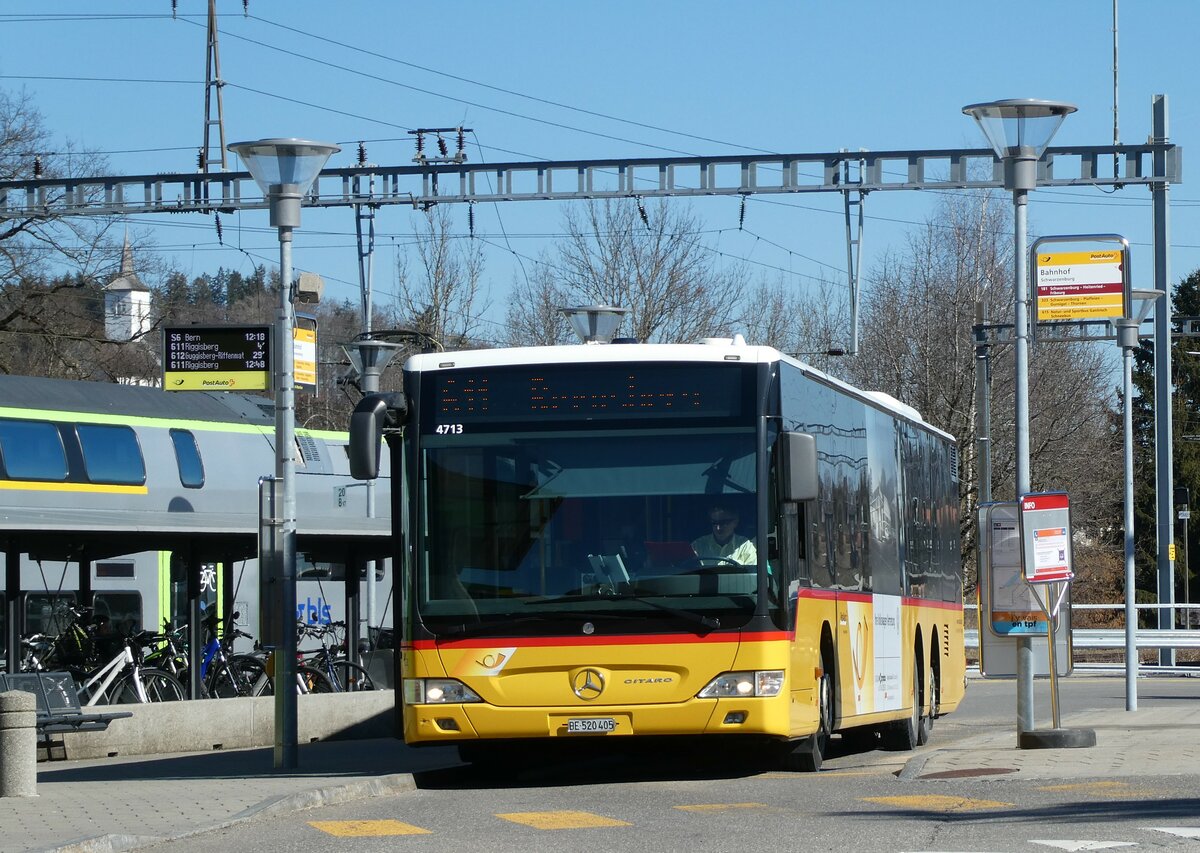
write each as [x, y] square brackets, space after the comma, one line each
[123, 679]
[229, 675]
[331, 660]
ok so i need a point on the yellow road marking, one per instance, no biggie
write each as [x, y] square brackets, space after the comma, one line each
[937, 803]
[717, 807]
[366, 828]
[1113, 790]
[561, 820]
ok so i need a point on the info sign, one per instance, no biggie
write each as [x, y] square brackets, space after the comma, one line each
[1045, 521]
[217, 358]
[1093, 284]
[304, 352]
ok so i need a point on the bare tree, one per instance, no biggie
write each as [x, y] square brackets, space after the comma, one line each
[27, 243]
[805, 321]
[916, 345]
[443, 298]
[652, 262]
[534, 317]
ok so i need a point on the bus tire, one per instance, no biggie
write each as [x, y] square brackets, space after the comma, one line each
[925, 727]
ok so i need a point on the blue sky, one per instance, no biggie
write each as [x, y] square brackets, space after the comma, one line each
[586, 80]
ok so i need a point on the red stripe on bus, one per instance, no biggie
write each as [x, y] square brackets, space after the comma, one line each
[623, 640]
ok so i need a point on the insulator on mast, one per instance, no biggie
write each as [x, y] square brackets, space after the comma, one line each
[220, 235]
[362, 154]
[742, 214]
[642, 212]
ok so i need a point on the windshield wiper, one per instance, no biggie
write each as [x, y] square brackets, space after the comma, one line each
[710, 623]
[470, 629]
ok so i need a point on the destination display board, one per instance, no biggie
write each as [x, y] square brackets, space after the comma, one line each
[217, 358]
[542, 395]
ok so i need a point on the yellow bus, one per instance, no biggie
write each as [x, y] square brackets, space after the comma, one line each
[627, 541]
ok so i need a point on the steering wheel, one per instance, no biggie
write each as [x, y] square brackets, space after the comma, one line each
[709, 564]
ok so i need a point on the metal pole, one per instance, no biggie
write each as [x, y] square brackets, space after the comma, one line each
[370, 379]
[1187, 595]
[983, 407]
[285, 215]
[14, 615]
[1128, 331]
[1025, 665]
[1163, 430]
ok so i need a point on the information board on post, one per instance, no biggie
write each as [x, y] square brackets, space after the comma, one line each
[1092, 283]
[304, 353]
[1045, 521]
[1009, 609]
[217, 358]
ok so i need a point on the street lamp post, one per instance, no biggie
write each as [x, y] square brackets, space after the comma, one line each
[284, 170]
[1127, 340]
[1019, 129]
[369, 356]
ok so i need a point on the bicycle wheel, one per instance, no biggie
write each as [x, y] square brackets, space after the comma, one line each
[158, 684]
[350, 677]
[162, 686]
[309, 680]
[240, 675]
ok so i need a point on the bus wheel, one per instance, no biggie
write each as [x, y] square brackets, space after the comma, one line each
[902, 735]
[925, 727]
[809, 754]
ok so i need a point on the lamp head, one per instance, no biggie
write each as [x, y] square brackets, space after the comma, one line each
[595, 324]
[284, 162]
[1019, 126]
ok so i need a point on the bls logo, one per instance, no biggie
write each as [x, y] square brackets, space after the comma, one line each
[314, 614]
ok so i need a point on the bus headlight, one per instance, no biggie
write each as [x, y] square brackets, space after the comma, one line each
[437, 691]
[763, 682]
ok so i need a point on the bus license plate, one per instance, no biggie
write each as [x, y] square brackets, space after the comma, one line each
[590, 725]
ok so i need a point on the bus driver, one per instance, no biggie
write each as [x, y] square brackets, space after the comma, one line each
[724, 541]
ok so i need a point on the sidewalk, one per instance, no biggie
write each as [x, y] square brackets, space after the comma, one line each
[98, 806]
[1151, 741]
[102, 805]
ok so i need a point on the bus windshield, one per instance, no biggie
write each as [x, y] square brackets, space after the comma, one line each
[630, 530]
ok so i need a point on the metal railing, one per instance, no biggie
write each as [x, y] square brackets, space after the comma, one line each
[1114, 638]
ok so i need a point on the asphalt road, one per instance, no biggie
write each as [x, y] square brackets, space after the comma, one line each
[690, 801]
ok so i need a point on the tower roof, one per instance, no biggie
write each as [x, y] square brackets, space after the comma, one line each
[126, 279]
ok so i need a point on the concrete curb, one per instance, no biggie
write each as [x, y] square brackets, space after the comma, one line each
[380, 786]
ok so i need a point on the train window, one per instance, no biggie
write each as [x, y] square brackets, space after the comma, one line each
[187, 457]
[111, 454]
[311, 570]
[48, 612]
[114, 570]
[122, 609]
[308, 569]
[32, 450]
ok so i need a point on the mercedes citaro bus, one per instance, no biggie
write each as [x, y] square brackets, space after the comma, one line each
[558, 575]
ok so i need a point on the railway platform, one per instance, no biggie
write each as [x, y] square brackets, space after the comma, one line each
[120, 804]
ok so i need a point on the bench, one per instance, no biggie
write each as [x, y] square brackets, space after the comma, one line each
[58, 709]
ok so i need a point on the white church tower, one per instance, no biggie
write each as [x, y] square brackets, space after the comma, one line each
[126, 302]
